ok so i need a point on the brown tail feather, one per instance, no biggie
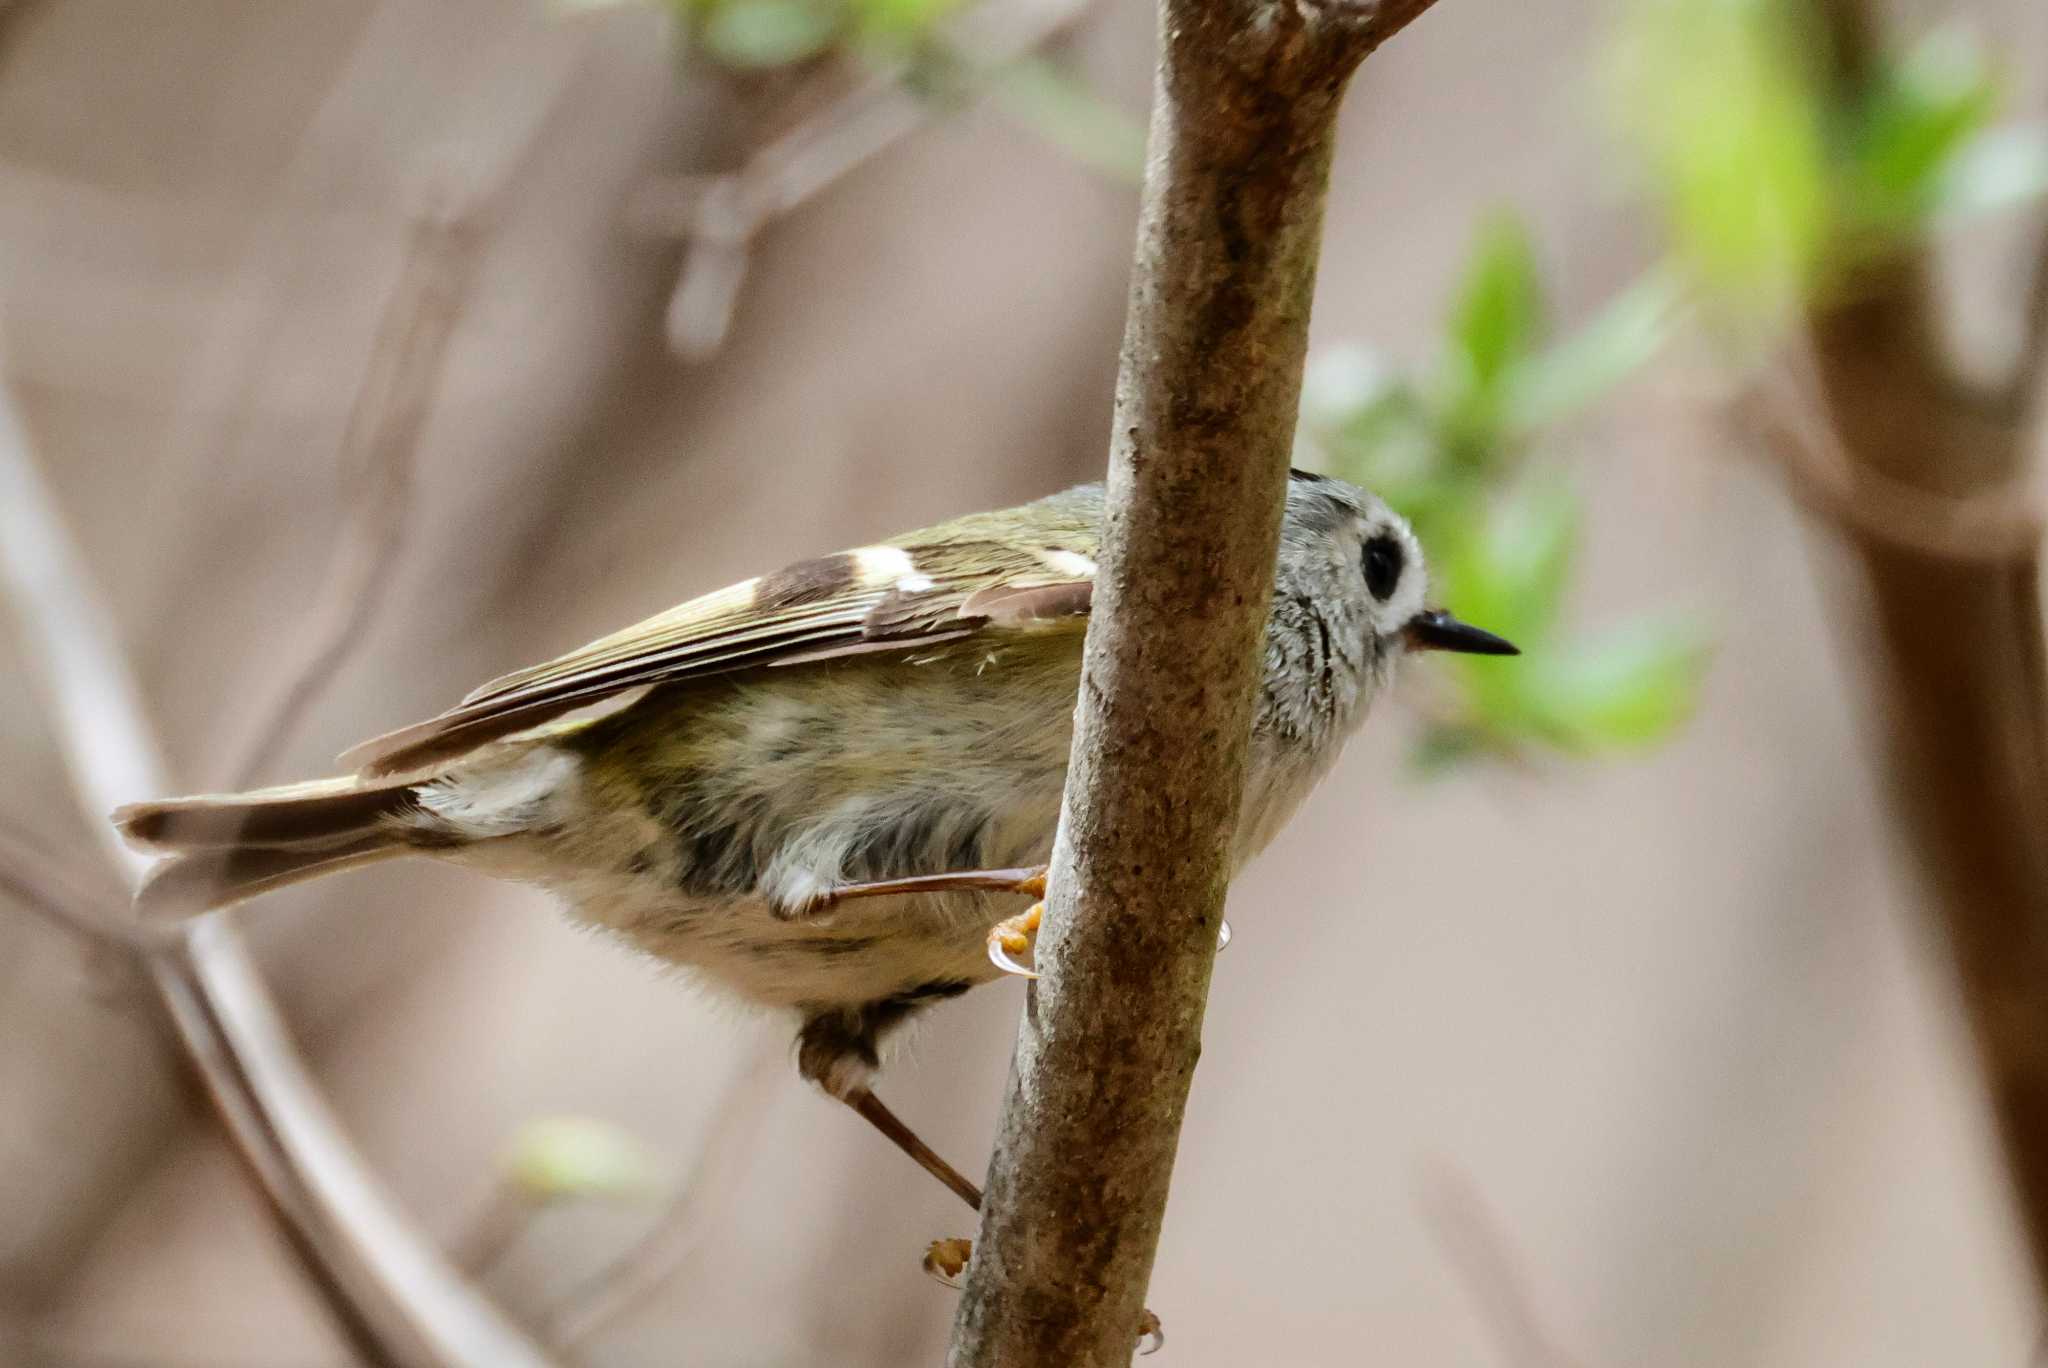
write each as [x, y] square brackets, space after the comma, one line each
[324, 811]
[229, 847]
[206, 880]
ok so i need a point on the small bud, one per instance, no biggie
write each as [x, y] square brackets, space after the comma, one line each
[576, 1158]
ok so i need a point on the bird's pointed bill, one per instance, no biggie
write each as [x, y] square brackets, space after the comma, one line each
[1436, 630]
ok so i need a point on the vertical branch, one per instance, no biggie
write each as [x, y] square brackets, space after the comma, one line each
[1960, 677]
[1243, 123]
[2023, 388]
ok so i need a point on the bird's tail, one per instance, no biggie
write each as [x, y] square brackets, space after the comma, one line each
[225, 848]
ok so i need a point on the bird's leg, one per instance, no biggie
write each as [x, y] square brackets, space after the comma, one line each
[1029, 880]
[830, 1040]
[870, 1108]
[1008, 938]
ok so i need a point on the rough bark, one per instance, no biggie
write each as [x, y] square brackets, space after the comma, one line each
[1960, 680]
[1243, 122]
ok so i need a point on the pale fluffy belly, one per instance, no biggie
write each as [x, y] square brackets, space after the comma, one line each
[706, 865]
[862, 951]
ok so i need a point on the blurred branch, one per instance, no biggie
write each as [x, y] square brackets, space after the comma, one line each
[1784, 417]
[378, 452]
[1960, 673]
[719, 216]
[34, 877]
[626, 1283]
[2030, 367]
[1208, 392]
[39, 881]
[1472, 1241]
[388, 1289]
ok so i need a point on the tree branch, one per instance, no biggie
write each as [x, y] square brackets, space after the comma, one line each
[629, 1281]
[2029, 378]
[1243, 123]
[1960, 674]
[720, 216]
[390, 1292]
[379, 449]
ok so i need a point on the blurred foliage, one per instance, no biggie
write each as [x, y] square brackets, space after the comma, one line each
[759, 36]
[1773, 185]
[576, 1158]
[1773, 182]
[1451, 449]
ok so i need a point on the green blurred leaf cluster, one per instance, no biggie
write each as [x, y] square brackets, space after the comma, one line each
[1773, 183]
[1449, 448]
[757, 35]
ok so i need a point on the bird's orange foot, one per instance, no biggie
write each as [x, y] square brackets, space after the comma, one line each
[946, 1260]
[1011, 937]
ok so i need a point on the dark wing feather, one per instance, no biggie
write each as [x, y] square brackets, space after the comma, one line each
[946, 585]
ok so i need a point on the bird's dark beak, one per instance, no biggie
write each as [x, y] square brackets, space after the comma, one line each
[1435, 630]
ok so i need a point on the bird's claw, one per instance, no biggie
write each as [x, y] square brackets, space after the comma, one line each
[946, 1260]
[1011, 937]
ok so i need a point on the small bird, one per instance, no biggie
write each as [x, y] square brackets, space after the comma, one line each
[828, 789]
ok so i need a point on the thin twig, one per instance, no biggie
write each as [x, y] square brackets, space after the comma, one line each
[507, 1214]
[1785, 416]
[659, 1256]
[388, 1289]
[379, 450]
[719, 216]
[1472, 1241]
[37, 878]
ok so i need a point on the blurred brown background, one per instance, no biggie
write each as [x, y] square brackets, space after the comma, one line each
[1660, 1043]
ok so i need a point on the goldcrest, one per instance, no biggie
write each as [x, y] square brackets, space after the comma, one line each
[798, 786]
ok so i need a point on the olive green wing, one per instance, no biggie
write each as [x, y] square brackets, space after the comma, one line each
[971, 578]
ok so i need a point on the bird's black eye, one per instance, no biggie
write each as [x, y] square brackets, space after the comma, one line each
[1382, 567]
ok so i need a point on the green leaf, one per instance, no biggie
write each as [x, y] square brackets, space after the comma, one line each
[1628, 689]
[1717, 100]
[564, 1158]
[1072, 117]
[1999, 170]
[1508, 573]
[1494, 325]
[1567, 378]
[1924, 110]
[1500, 304]
[1368, 424]
[756, 34]
[901, 19]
